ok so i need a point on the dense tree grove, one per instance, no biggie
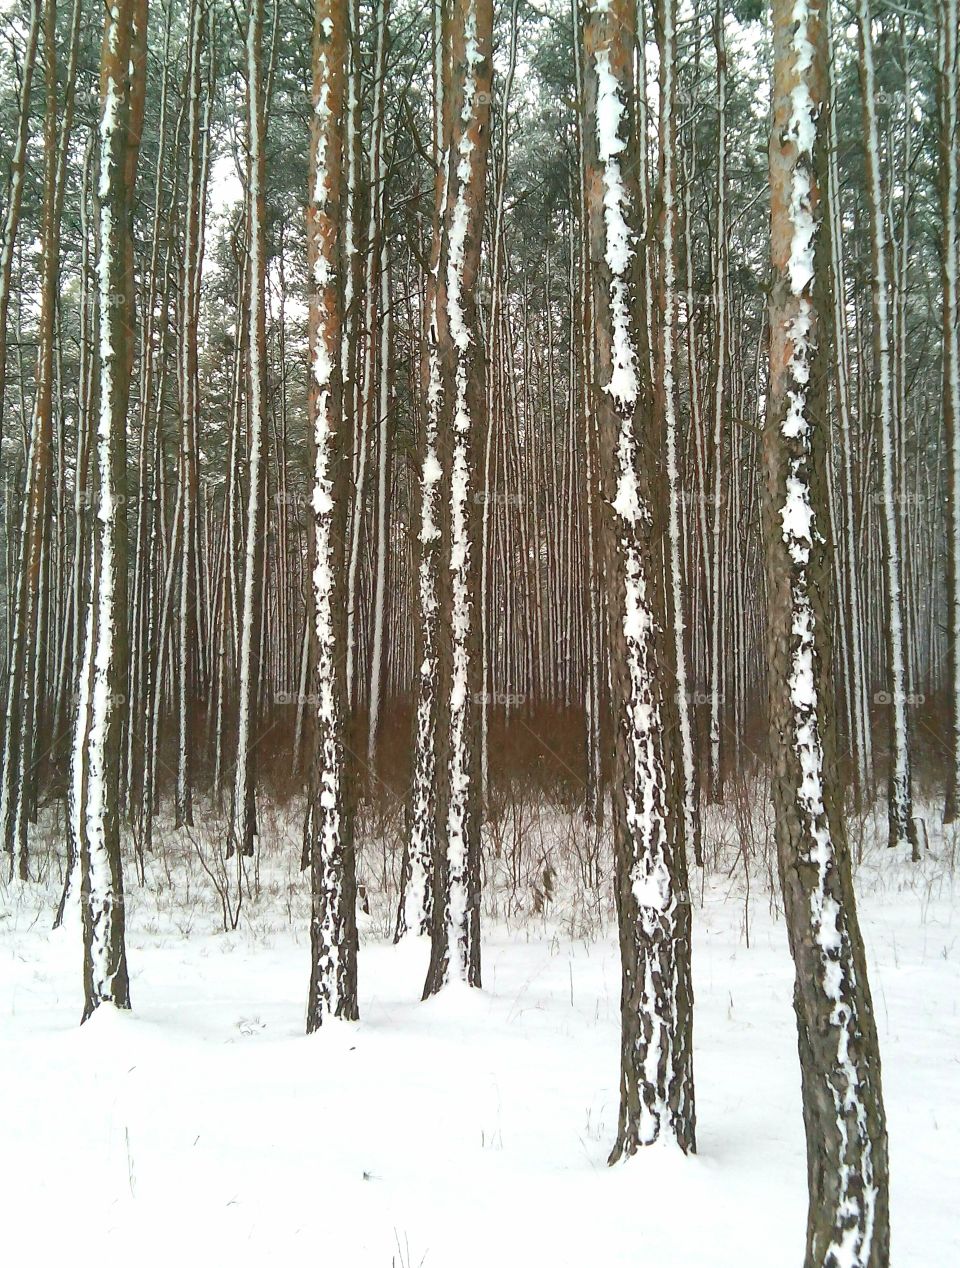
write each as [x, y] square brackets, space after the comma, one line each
[406, 407]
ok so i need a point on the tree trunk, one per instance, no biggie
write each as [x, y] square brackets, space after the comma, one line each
[415, 908]
[839, 1058]
[95, 811]
[21, 713]
[653, 906]
[665, 397]
[948, 68]
[244, 824]
[329, 829]
[903, 830]
[455, 934]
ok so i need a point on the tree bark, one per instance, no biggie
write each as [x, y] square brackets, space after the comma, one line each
[839, 1058]
[948, 80]
[329, 829]
[455, 935]
[653, 906]
[95, 811]
[244, 823]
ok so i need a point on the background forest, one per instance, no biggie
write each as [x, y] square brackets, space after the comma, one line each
[541, 608]
[434, 503]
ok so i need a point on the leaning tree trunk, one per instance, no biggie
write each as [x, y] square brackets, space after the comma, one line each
[95, 790]
[840, 1065]
[653, 906]
[329, 829]
[455, 934]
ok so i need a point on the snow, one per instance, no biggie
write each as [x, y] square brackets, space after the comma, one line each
[623, 385]
[472, 1129]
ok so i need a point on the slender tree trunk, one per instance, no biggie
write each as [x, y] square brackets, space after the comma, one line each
[717, 568]
[21, 713]
[366, 394]
[903, 830]
[14, 199]
[379, 615]
[665, 397]
[455, 934]
[948, 70]
[856, 675]
[496, 269]
[244, 822]
[415, 909]
[185, 675]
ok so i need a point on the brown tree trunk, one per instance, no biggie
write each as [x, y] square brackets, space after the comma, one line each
[653, 906]
[839, 1058]
[456, 918]
[329, 829]
[95, 793]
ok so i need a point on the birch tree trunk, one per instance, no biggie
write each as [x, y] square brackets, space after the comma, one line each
[839, 1058]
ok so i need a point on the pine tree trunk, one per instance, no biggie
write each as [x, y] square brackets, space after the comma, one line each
[243, 830]
[329, 829]
[948, 67]
[14, 198]
[95, 809]
[21, 712]
[185, 675]
[415, 908]
[903, 830]
[839, 1058]
[665, 396]
[653, 906]
[455, 933]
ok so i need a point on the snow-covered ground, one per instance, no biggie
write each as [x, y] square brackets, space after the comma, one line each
[205, 1128]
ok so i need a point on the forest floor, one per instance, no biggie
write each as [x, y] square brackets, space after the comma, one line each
[205, 1128]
